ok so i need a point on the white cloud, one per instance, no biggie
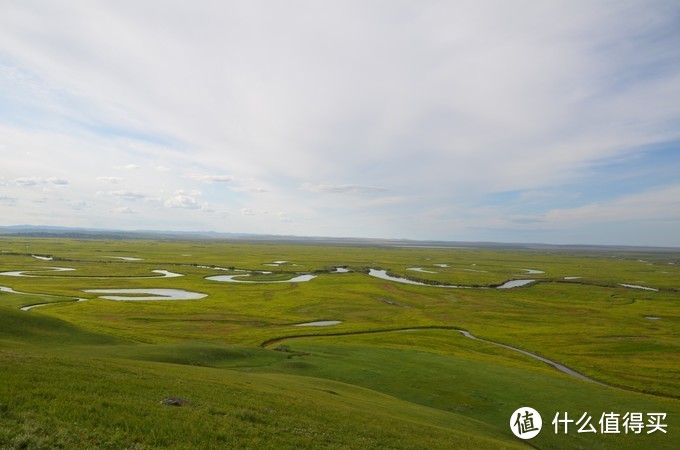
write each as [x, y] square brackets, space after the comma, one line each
[27, 182]
[252, 190]
[127, 195]
[81, 206]
[183, 201]
[655, 206]
[112, 180]
[213, 178]
[34, 181]
[129, 167]
[8, 201]
[662, 204]
[283, 217]
[342, 188]
[57, 181]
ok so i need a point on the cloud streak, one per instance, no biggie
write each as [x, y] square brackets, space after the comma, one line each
[342, 188]
[35, 181]
[213, 178]
[126, 195]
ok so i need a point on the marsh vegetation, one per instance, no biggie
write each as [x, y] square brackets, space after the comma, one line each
[304, 355]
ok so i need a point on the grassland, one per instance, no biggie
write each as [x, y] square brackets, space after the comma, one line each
[393, 374]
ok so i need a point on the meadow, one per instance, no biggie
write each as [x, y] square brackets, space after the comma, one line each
[393, 372]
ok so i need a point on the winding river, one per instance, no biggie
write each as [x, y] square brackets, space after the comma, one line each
[562, 368]
[556, 365]
[382, 274]
[9, 290]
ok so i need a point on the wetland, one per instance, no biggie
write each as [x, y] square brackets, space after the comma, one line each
[330, 330]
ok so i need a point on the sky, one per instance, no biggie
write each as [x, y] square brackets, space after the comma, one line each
[509, 121]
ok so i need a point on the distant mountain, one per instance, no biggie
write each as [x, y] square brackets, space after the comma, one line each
[95, 233]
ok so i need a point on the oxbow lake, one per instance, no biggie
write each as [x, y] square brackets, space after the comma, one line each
[156, 294]
[234, 279]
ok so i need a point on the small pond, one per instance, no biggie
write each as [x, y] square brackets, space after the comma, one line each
[320, 323]
[515, 283]
[42, 258]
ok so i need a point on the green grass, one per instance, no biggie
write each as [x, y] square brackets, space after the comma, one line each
[59, 402]
[449, 372]
[92, 374]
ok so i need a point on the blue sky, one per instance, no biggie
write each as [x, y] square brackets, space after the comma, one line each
[555, 122]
